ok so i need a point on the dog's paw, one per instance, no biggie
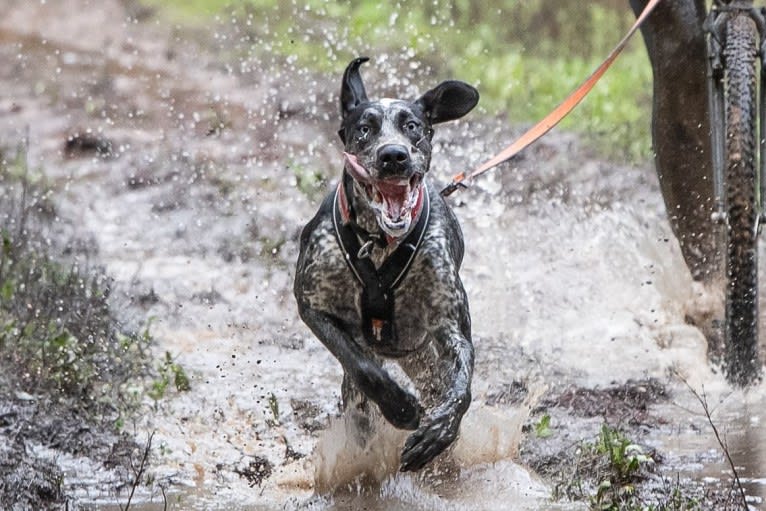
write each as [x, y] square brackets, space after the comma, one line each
[399, 407]
[429, 441]
[403, 411]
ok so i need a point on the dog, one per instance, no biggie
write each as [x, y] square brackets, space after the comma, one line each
[377, 273]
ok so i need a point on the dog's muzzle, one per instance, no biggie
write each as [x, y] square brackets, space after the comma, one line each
[392, 198]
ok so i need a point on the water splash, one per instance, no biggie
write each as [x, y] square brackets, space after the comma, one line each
[478, 467]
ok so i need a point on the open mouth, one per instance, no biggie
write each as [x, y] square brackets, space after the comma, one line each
[392, 199]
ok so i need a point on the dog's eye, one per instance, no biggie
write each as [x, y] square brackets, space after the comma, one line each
[412, 126]
[364, 130]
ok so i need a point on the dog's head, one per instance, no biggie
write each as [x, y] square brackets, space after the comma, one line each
[388, 142]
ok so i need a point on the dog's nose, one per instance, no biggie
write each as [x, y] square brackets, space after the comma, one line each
[393, 159]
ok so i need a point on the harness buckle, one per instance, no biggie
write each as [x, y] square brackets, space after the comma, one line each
[377, 328]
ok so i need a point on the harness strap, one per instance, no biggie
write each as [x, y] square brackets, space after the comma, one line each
[378, 285]
[348, 216]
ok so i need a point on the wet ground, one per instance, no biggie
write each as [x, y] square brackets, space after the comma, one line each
[192, 168]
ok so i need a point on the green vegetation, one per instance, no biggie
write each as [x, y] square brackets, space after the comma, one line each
[613, 473]
[168, 371]
[58, 336]
[543, 427]
[605, 472]
[70, 377]
[624, 462]
[524, 56]
[310, 182]
[274, 408]
[56, 331]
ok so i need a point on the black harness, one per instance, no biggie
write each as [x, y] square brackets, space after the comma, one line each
[378, 285]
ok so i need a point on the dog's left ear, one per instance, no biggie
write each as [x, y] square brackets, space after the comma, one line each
[352, 91]
[448, 101]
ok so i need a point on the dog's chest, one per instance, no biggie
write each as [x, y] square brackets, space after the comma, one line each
[334, 288]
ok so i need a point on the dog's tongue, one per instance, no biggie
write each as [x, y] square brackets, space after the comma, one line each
[395, 195]
[357, 171]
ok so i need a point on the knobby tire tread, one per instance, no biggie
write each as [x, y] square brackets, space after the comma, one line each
[741, 357]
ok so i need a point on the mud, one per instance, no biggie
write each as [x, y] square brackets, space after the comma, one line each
[624, 404]
[39, 435]
[191, 159]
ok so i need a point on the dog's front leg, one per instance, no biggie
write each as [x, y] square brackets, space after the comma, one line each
[398, 406]
[439, 428]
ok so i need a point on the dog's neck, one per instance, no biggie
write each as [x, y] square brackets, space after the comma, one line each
[364, 215]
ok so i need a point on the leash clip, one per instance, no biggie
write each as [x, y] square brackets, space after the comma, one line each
[452, 188]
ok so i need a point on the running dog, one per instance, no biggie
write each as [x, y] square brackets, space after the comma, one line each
[377, 275]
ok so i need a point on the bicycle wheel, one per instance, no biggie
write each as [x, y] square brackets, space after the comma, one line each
[741, 357]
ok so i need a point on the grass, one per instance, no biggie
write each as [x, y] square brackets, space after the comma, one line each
[625, 461]
[168, 372]
[70, 378]
[56, 329]
[613, 473]
[524, 56]
[610, 473]
[606, 471]
[543, 427]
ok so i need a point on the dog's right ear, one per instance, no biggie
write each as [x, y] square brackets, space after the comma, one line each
[352, 91]
[448, 101]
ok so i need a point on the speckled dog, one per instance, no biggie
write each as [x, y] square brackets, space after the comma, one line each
[377, 276]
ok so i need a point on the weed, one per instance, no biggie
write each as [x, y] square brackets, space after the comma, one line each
[274, 408]
[737, 491]
[138, 471]
[169, 371]
[311, 183]
[625, 458]
[59, 343]
[606, 471]
[56, 329]
[58, 332]
[543, 427]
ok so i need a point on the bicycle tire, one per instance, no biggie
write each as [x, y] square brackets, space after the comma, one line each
[741, 325]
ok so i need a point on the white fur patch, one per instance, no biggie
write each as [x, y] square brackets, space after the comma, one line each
[387, 102]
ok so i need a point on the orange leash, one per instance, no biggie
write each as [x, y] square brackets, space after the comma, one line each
[553, 118]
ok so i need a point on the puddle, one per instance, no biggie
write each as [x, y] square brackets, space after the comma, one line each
[690, 444]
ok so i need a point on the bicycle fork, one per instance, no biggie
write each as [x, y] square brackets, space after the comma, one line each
[715, 26]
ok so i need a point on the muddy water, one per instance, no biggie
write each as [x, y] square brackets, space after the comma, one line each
[573, 275]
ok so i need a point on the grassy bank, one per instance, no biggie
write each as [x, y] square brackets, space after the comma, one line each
[524, 56]
[56, 328]
[69, 378]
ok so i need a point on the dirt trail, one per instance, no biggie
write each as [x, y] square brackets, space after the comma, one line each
[187, 212]
[190, 175]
